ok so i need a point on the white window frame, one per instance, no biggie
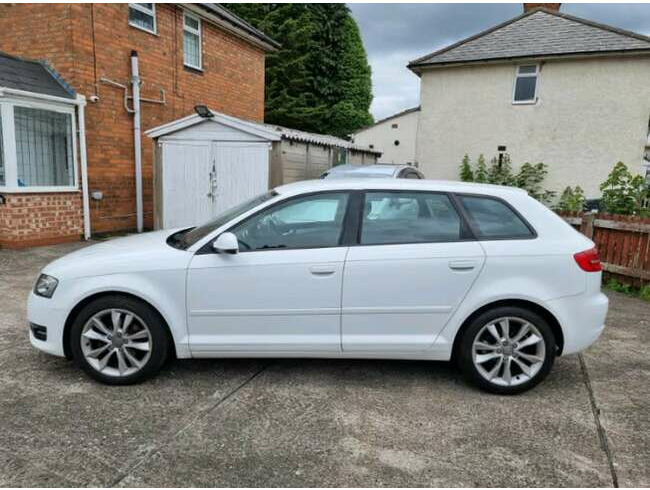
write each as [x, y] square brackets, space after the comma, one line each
[196, 32]
[145, 10]
[526, 75]
[9, 146]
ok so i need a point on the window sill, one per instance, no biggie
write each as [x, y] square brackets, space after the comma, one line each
[193, 69]
[524, 102]
[153, 33]
[38, 190]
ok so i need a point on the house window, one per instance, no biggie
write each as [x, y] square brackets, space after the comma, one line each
[143, 16]
[2, 158]
[191, 41]
[394, 126]
[44, 148]
[525, 90]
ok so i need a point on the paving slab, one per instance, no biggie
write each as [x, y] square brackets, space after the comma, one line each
[618, 367]
[318, 422]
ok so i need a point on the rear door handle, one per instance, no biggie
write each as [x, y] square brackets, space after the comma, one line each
[462, 265]
[321, 271]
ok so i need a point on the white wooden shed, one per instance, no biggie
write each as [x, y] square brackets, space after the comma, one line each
[203, 166]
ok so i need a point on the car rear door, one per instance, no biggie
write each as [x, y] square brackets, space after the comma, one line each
[414, 264]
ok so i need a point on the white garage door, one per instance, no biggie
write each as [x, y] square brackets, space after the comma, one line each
[202, 179]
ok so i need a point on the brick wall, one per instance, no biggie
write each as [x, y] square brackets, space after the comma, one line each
[28, 220]
[86, 42]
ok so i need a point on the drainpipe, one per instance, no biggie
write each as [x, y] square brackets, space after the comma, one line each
[81, 105]
[135, 80]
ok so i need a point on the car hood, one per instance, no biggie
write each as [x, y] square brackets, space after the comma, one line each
[142, 252]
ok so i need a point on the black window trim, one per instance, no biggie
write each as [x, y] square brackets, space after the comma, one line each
[353, 220]
[474, 228]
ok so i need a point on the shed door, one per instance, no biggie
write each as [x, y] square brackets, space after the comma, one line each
[242, 171]
[187, 189]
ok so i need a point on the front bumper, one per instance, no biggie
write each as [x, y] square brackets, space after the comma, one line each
[41, 311]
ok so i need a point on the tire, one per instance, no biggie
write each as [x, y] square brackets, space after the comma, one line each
[132, 353]
[527, 359]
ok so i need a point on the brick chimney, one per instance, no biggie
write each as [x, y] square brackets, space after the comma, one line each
[549, 6]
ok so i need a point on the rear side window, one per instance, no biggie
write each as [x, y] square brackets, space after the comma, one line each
[408, 217]
[494, 219]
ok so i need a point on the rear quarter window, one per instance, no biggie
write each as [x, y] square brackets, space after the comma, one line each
[494, 219]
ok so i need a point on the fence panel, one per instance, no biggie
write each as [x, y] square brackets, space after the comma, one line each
[623, 243]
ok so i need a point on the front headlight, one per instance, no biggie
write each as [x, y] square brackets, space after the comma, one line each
[45, 286]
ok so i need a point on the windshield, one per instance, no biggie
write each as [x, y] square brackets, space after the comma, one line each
[189, 237]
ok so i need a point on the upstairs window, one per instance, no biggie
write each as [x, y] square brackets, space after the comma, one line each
[143, 16]
[192, 41]
[525, 91]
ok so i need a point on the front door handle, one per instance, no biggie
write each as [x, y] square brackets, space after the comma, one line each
[321, 271]
[462, 265]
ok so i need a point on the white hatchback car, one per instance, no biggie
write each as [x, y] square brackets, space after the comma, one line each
[390, 269]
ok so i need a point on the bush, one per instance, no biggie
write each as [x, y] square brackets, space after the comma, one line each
[572, 200]
[529, 177]
[624, 193]
[644, 292]
[466, 174]
[481, 174]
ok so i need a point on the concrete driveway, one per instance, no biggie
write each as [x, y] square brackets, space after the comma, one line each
[320, 423]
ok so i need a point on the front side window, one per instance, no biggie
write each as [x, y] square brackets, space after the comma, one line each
[493, 219]
[44, 147]
[525, 90]
[192, 41]
[408, 217]
[143, 16]
[190, 237]
[308, 222]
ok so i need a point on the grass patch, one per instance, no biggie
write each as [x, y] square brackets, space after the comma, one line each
[641, 293]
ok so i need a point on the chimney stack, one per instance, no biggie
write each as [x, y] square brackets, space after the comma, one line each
[549, 6]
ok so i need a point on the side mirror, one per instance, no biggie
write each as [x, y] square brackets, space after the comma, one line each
[226, 243]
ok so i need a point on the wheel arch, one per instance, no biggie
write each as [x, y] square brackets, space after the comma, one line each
[522, 303]
[74, 312]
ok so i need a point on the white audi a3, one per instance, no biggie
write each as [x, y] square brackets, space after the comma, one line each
[385, 269]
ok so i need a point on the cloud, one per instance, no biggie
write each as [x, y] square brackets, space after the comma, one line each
[395, 34]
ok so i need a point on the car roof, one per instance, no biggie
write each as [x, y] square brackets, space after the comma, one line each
[386, 169]
[306, 186]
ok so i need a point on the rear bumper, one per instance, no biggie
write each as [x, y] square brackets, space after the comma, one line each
[582, 319]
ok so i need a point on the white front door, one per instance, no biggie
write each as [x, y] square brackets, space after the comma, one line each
[241, 172]
[186, 186]
[282, 292]
[408, 275]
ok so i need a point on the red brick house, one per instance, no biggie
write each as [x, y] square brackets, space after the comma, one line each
[187, 55]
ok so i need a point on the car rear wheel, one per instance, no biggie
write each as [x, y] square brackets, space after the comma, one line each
[507, 350]
[119, 340]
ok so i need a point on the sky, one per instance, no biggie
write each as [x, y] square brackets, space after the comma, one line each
[395, 34]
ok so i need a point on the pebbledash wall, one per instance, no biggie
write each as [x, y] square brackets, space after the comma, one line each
[591, 113]
[86, 42]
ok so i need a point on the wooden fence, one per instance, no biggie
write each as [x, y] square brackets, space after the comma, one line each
[623, 243]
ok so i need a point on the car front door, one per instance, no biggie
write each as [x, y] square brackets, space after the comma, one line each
[413, 265]
[282, 292]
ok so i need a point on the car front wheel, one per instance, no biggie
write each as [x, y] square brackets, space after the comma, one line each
[119, 340]
[507, 350]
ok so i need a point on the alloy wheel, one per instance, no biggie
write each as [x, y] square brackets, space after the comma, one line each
[508, 351]
[116, 342]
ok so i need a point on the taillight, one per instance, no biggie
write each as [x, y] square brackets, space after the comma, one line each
[589, 260]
